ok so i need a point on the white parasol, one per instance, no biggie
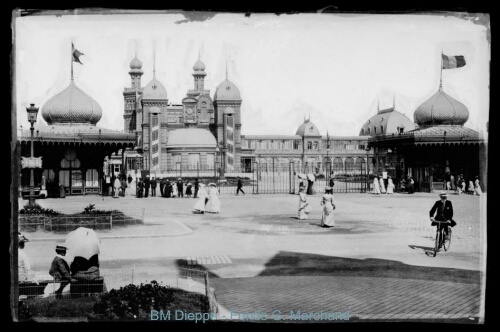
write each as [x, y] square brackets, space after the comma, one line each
[302, 176]
[83, 242]
[311, 177]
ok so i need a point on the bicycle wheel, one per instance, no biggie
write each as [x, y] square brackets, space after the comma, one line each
[447, 242]
[437, 242]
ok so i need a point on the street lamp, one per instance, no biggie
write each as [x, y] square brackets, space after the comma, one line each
[367, 149]
[32, 114]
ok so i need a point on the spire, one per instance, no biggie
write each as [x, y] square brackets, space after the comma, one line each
[136, 48]
[394, 101]
[154, 63]
[378, 105]
[226, 62]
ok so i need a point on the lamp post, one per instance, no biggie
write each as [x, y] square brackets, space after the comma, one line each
[367, 149]
[32, 114]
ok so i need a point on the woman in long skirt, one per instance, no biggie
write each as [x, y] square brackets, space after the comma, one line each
[213, 204]
[303, 205]
[382, 186]
[477, 187]
[199, 206]
[189, 190]
[175, 192]
[376, 186]
[452, 182]
[328, 203]
[390, 186]
[470, 189]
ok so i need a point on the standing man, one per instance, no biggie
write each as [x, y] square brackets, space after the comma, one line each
[240, 185]
[162, 186]
[147, 184]
[60, 270]
[180, 188]
[196, 187]
[331, 183]
[153, 187]
[129, 180]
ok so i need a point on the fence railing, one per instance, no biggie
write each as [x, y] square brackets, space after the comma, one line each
[67, 223]
[192, 280]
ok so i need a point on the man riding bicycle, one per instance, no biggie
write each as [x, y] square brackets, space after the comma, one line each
[442, 211]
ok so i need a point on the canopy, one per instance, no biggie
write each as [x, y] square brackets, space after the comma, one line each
[83, 242]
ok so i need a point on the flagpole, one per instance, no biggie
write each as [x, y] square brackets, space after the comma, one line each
[71, 59]
[441, 75]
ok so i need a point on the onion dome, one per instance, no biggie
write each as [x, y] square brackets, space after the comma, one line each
[441, 109]
[135, 64]
[72, 105]
[307, 129]
[154, 90]
[191, 137]
[227, 91]
[199, 66]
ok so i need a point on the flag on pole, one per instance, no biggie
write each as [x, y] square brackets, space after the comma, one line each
[76, 54]
[450, 62]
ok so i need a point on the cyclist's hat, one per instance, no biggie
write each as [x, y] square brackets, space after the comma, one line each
[443, 193]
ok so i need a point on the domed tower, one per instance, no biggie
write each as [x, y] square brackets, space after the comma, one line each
[199, 75]
[441, 109]
[132, 95]
[198, 105]
[227, 126]
[154, 103]
[72, 106]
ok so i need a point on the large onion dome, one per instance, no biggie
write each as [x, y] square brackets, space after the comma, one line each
[72, 105]
[441, 109]
[227, 91]
[154, 90]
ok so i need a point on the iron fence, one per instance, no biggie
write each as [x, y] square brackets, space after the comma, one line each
[188, 279]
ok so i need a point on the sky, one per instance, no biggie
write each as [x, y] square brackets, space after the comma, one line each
[333, 68]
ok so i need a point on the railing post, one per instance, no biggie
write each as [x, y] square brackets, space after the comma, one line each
[110, 221]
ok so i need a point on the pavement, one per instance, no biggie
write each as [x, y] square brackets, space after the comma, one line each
[261, 258]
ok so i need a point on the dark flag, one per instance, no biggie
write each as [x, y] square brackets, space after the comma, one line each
[76, 54]
[450, 62]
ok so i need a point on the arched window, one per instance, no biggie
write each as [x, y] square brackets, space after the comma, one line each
[369, 131]
[363, 131]
[309, 145]
[374, 130]
[382, 129]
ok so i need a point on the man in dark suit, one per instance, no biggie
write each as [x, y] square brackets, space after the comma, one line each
[239, 186]
[442, 211]
[196, 187]
[60, 270]
[153, 187]
[147, 184]
[162, 187]
[180, 188]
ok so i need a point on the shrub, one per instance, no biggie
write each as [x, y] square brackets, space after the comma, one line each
[50, 307]
[37, 209]
[136, 302]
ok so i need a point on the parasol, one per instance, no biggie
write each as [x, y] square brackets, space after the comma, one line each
[311, 177]
[83, 242]
[302, 176]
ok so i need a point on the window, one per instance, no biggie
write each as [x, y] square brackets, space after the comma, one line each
[230, 135]
[381, 129]
[91, 178]
[363, 131]
[315, 145]
[369, 131]
[374, 130]
[194, 160]
[155, 148]
[230, 161]
[230, 120]
[155, 120]
[210, 160]
[230, 148]
[309, 145]
[252, 144]
[296, 145]
[155, 161]
[155, 135]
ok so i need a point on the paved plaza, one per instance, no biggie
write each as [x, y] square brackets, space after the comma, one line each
[261, 258]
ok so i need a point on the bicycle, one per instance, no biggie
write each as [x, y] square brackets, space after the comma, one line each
[442, 241]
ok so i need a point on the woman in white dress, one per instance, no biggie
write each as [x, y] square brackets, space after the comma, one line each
[199, 206]
[328, 203]
[382, 186]
[477, 187]
[390, 186]
[304, 207]
[213, 204]
[117, 184]
[376, 186]
[175, 192]
[470, 189]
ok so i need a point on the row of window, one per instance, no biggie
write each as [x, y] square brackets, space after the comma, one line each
[297, 145]
[368, 131]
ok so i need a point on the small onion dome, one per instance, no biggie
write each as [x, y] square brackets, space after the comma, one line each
[191, 137]
[227, 91]
[307, 129]
[154, 90]
[135, 63]
[199, 66]
[72, 105]
[441, 109]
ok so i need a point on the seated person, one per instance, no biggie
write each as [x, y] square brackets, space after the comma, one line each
[86, 273]
[60, 270]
